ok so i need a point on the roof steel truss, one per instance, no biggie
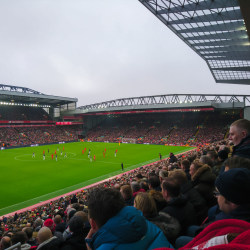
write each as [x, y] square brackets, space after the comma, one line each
[214, 29]
[168, 99]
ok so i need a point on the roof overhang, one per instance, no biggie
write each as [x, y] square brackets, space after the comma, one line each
[217, 30]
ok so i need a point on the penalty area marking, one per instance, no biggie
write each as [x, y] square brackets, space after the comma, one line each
[59, 157]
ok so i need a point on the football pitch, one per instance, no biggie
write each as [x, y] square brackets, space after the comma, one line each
[27, 180]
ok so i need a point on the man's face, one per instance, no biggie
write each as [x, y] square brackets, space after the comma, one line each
[192, 170]
[235, 135]
[223, 204]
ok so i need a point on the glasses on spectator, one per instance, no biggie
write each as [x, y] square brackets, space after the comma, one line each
[216, 193]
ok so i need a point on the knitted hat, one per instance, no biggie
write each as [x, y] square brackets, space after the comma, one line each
[234, 185]
[223, 154]
[76, 223]
[50, 224]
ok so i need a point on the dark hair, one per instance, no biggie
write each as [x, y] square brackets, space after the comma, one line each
[103, 204]
[172, 186]
[144, 185]
[19, 237]
[213, 154]
[135, 186]
[237, 162]
[154, 182]
[173, 167]
[185, 164]
[196, 165]
[29, 232]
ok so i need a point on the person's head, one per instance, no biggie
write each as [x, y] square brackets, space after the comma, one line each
[171, 154]
[222, 155]
[103, 204]
[236, 162]
[18, 237]
[179, 175]
[5, 243]
[38, 223]
[163, 174]
[185, 165]
[145, 203]
[224, 147]
[233, 189]
[170, 188]
[135, 186]
[144, 185]
[43, 234]
[117, 186]
[205, 159]
[154, 182]
[194, 167]
[58, 219]
[83, 215]
[126, 192]
[213, 155]
[76, 223]
[50, 224]
[29, 232]
[138, 177]
[239, 130]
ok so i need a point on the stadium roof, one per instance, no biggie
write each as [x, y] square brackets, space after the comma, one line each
[171, 101]
[25, 95]
[217, 30]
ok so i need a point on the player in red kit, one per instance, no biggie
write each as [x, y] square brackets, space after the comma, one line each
[105, 150]
[52, 156]
[116, 151]
[63, 148]
[43, 152]
[83, 151]
[103, 154]
[94, 157]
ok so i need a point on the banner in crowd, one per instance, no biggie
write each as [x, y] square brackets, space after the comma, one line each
[151, 111]
[14, 126]
[69, 123]
[72, 117]
[26, 121]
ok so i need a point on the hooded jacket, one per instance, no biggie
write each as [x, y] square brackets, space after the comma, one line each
[128, 230]
[203, 181]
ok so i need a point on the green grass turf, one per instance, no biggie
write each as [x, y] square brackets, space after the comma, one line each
[26, 181]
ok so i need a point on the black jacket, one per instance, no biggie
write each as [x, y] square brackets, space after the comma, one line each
[195, 198]
[75, 241]
[172, 159]
[169, 225]
[183, 211]
[188, 174]
[61, 227]
[243, 148]
[203, 181]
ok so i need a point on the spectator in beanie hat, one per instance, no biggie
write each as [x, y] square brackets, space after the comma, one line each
[232, 192]
[52, 226]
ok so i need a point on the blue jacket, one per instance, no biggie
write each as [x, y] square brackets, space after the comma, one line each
[128, 230]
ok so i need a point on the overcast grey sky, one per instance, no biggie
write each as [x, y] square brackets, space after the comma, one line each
[97, 50]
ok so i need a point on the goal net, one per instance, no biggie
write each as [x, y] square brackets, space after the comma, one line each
[128, 140]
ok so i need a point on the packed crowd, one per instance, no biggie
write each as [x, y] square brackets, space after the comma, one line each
[197, 200]
[19, 113]
[20, 136]
[194, 129]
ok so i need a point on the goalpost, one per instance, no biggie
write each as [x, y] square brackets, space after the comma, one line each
[129, 140]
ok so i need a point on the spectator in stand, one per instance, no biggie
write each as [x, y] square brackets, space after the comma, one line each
[136, 188]
[78, 234]
[127, 194]
[203, 181]
[172, 158]
[222, 156]
[144, 185]
[205, 159]
[178, 205]
[46, 240]
[30, 240]
[236, 162]
[163, 174]
[20, 237]
[195, 198]
[5, 243]
[239, 133]
[185, 165]
[169, 226]
[37, 226]
[154, 183]
[115, 226]
[60, 224]
[52, 226]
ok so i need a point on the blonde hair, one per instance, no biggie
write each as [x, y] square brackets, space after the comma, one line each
[145, 203]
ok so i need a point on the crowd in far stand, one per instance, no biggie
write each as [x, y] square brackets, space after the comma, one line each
[197, 200]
